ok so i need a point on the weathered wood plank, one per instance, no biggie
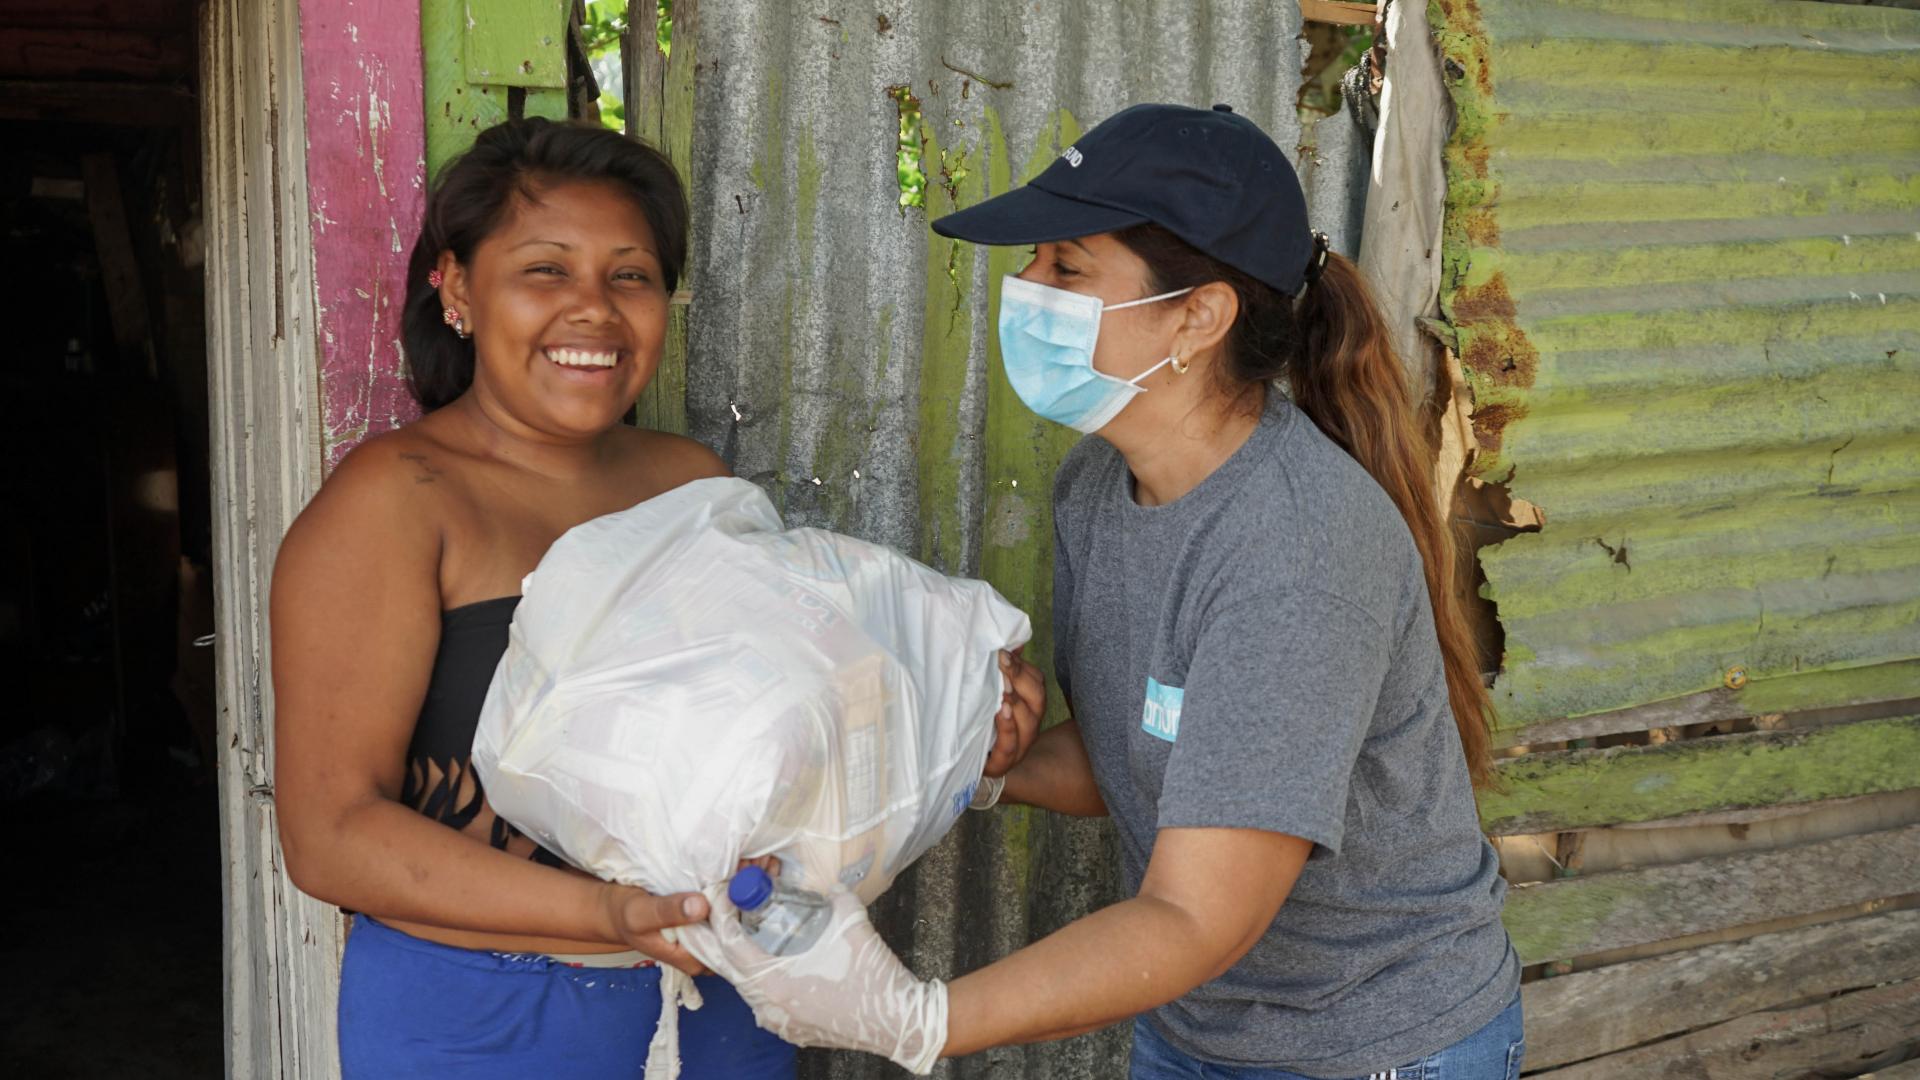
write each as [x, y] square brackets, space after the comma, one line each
[265, 386]
[659, 98]
[517, 42]
[1575, 789]
[124, 103]
[1558, 920]
[170, 15]
[365, 181]
[1833, 1033]
[1334, 11]
[1590, 1013]
[138, 55]
[1883, 690]
[457, 110]
[120, 271]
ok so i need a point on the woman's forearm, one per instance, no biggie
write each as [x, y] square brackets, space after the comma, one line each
[1207, 897]
[384, 859]
[1057, 775]
[1076, 980]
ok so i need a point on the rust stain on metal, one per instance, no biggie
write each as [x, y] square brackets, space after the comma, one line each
[1476, 157]
[1490, 423]
[1492, 300]
[1467, 13]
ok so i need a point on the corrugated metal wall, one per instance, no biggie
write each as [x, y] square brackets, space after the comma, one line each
[1684, 264]
[839, 353]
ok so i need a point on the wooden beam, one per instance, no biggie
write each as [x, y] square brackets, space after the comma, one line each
[172, 15]
[1575, 789]
[659, 97]
[1559, 920]
[1333, 11]
[128, 55]
[1853, 693]
[263, 347]
[126, 293]
[1834, 1033]
[1592, 1013]
[123, 103]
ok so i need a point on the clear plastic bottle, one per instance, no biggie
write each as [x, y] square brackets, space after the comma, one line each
[781, 920]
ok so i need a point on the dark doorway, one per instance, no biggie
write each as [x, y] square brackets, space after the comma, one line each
[112, 947]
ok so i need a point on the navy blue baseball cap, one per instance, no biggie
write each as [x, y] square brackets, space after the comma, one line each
[1209, 176]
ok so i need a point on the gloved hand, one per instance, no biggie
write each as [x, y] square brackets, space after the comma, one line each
[848, 991]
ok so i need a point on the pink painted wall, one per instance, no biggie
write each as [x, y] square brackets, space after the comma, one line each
[366, 178]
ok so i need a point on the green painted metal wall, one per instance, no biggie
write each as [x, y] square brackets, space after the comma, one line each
[1683, 265]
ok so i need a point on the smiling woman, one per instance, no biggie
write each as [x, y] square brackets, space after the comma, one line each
[549, 202]
[566, 305]
[536, 314]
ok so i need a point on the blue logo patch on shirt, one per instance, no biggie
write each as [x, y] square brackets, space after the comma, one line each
[1161, 718]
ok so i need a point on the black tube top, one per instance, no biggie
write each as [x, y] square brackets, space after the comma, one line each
[440, 781]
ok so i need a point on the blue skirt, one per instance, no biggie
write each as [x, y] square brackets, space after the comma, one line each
[413, 1008]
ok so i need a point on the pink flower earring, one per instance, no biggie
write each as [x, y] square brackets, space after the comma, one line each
[452, 318]
[434, 278]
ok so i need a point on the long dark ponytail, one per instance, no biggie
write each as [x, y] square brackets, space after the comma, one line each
[471, 198]
[1338, 360]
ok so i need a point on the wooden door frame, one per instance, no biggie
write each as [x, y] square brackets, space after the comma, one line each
[311, 113]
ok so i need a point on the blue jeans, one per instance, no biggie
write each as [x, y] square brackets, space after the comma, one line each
[1492, 1053]
[417, 1009]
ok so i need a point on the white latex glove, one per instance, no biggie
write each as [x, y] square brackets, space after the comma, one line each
[848, 991]
[988, 793]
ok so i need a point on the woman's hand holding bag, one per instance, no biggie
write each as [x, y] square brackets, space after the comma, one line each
[848, 992]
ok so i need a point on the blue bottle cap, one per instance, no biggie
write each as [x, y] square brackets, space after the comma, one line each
[750, 888]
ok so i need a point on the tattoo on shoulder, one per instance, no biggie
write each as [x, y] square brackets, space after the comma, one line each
[425, 471]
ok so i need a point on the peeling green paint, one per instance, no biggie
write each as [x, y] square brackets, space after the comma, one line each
[457, 111]
[1583, 788]
[516, 43]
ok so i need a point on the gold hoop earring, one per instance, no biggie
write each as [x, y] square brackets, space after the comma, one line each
[1178, 367]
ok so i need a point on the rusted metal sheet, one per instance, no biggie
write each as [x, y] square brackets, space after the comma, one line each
[842, 356]
[1683, 265]
[366, 192]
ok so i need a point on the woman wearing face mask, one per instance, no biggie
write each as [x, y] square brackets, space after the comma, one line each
[1270, 685]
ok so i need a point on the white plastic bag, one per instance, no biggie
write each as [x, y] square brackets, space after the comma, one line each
[687, 685]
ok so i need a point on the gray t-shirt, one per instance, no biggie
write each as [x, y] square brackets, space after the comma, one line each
[1260, 654]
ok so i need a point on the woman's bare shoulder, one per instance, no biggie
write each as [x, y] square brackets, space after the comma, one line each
[379, 513]
[675, 459]
[404, 472]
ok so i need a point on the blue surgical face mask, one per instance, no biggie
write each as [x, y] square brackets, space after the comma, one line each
[1046, 341]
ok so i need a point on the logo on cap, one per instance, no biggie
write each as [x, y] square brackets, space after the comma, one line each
[1074, 157]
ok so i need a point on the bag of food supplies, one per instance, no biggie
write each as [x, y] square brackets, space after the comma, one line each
[687, 684]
